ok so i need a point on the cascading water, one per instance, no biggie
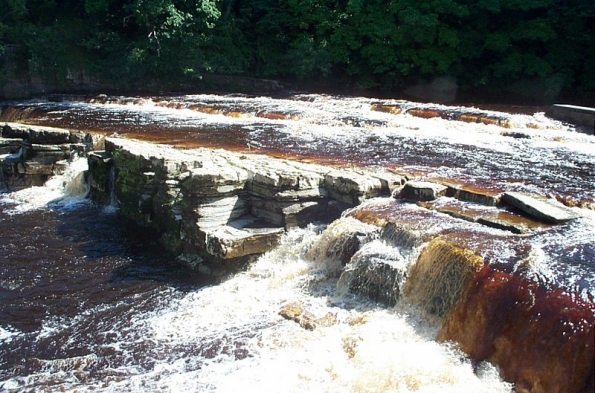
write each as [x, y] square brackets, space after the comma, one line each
[230, 336]
[63, 190]
[90, 305]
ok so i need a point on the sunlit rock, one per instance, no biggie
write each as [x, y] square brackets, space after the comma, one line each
[438, 278]
[351, 187]
[423, 191]
[543, 209]
[541, 338]
[30, 155]
[474, 195]
[199, 199]
[240, 238]
[306, 318]
[339, 242]
[37, 134]
[393, 108]
[489, 216]
[424, 113]
[377, 272]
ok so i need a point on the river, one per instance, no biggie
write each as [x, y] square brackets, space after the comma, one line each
[90, 303]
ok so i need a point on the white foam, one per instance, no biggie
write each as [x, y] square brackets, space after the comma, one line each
[6, 335]
[65, 191]
[370, 348]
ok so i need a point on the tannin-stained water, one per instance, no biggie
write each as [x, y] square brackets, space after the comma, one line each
[90, 304]
[523, 153]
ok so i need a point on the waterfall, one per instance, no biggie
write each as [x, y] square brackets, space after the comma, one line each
[393, 296]
[113, 203]
[339, 342]
[68, 188]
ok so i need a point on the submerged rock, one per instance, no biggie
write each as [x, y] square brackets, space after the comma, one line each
[339, 242]
[540, 338]
[376, 273]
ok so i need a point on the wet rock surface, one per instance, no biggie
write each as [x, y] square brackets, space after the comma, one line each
[29, 155]
[476, 279]
[541, 208]
[306, 319]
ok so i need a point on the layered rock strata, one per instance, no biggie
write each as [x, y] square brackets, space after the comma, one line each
[29, 155]
[215, 206]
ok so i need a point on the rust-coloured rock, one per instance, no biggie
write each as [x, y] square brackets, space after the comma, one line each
[440, 275]
[542, 339]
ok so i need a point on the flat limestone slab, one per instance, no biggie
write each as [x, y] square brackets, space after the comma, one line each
[36, 134]
[241, 238]
[578, 115]
[543, 209]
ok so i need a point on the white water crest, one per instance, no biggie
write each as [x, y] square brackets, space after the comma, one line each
[230, 337]
[65, 190]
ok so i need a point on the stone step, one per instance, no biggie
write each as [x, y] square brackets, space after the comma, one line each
[543, 209]
[246, 236]
[490, 216]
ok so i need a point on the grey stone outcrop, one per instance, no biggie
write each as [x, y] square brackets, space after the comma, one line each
[543, 209]
[29, 155]
[423, 191]
[215, 206]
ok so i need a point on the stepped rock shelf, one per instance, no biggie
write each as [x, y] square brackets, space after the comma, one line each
[215, 210]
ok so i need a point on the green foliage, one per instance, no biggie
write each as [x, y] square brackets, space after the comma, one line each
[361, 43]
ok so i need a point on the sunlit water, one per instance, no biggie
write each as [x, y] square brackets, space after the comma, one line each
[537, 155]
[89, 304]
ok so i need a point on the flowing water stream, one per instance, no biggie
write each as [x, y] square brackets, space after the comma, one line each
[92, 304]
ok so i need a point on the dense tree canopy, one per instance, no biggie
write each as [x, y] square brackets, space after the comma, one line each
[522, 44]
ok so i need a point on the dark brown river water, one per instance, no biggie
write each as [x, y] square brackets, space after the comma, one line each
[92, 304]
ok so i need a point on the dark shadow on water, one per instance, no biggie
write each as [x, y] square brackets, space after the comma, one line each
[73, 281]
[99, 234]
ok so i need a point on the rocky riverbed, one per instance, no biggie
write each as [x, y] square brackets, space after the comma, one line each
[476, 270]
